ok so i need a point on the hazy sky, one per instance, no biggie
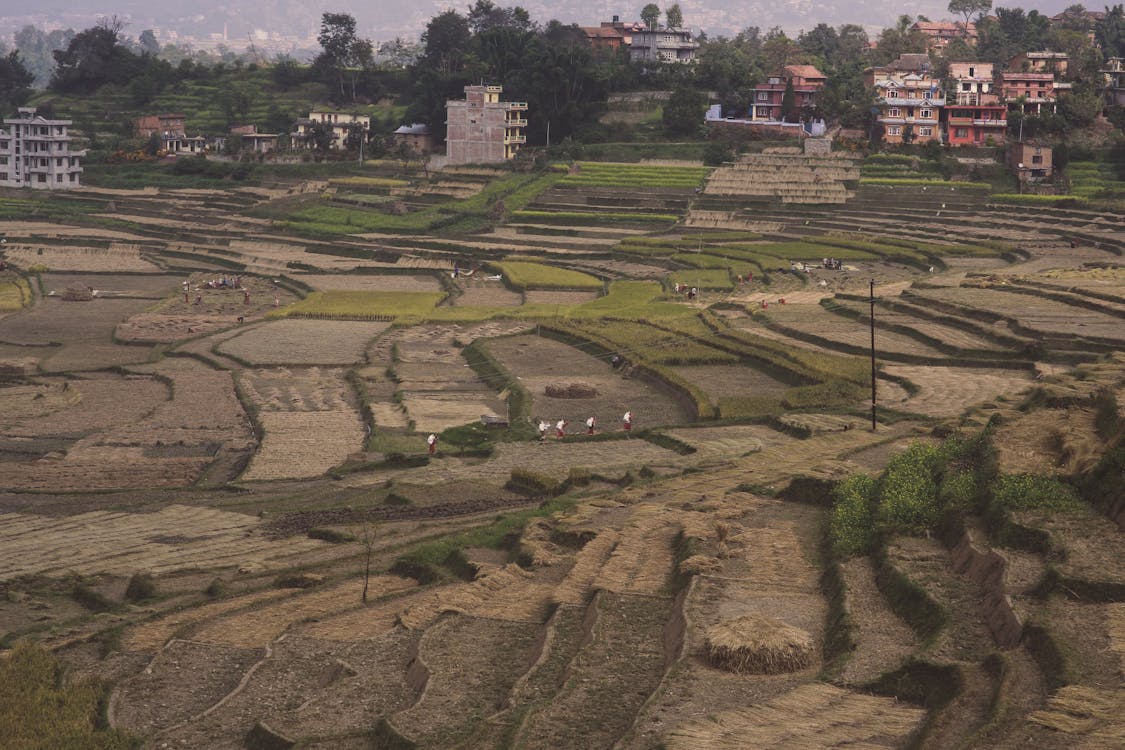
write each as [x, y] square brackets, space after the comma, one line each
[385, 19]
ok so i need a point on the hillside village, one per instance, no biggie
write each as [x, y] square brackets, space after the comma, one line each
[637, 391]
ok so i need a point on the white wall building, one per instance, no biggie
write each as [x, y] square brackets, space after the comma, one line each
[35, 152]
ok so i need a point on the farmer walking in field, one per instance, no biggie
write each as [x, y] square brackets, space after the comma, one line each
[591, 423]
[543, 427]
[627, 421]
[432, 442]
[560, 428]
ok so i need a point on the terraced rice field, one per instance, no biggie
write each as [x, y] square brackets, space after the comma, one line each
[303, 342]
[497, 614]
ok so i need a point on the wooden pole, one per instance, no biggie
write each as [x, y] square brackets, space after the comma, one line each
[873, 355]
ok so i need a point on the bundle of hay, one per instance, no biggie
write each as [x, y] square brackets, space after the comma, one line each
[758, 645]
[700, 564]
[571, 390]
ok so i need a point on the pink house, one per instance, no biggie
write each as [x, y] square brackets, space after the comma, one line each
[767, 98]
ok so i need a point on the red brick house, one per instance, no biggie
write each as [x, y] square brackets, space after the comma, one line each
[973, 115]
[767, 98]
[1031, 93]
[941, 33]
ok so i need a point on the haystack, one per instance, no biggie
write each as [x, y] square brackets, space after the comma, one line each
[571, 390]
[758, 645]
[700, 564]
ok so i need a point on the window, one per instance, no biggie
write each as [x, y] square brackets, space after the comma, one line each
[763, 96]
[1037, 160]
[58, 178]
[894, 112]
[925, 131]
[42, 178]
[926, 114]
[894, 130]
[960, 132]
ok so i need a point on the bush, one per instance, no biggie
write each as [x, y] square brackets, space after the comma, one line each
[1034, 492]
[958, 489]
[852, 524]
[141, 586]
[330, 535]
[907, 490]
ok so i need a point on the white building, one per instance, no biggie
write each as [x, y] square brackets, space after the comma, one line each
[663, 45]
[35, 152]
[340, 123]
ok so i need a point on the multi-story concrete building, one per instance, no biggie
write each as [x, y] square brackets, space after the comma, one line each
[1031, 93]
[340, 123]
[1113, 84]
[974, 115]
[663, 45]
[35, 152]
[909, 107]
[1040, 62]
[942, 33]
[767, 98]
[480, 128]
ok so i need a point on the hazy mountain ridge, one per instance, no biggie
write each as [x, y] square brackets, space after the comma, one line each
[387, 19]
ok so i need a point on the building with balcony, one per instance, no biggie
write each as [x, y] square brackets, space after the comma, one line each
[1030, 93]
[1113, 81]
[663, 45]
[1056, 63]
[35, 152]
[974, 115]
[170, 129]
[341, 124]
[909, 107]
[767, 99]
[480, 128]
[942, 33]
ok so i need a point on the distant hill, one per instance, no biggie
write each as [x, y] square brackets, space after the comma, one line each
[387, 19]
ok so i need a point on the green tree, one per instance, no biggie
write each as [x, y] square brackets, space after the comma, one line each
[969, 8]
[788, 102]
[650, 14]
[674, 17]
[147, 42]
[93, 58]
[15, 80]
[1110, 32]
[683, 112]
[337, 38]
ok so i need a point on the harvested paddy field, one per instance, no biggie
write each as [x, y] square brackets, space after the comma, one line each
[372, 282]
[196, 529]
[303, 342]
[541, 363]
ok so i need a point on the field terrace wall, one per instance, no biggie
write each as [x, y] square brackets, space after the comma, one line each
[790, 178]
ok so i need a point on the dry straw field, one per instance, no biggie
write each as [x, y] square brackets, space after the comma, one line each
[229, 513]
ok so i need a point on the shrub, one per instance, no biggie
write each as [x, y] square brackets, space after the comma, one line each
[851, 526]
[1033, 491]
[141, 586]
[907, 490]
[330, 535]
[958, 489]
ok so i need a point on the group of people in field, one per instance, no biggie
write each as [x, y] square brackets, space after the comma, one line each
[591, 426]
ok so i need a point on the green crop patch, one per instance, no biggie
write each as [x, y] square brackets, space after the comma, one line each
[524, 274]
[592, 218]
[704, 278]
[363, 304]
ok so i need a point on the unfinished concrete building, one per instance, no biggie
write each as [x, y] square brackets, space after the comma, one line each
[481, 128]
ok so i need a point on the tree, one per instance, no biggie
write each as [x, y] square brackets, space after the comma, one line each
[788, 101]
[1110, 32]
[366, 535]
[650, 14]
[969, 8]
[683, 113]
[93, 58]
[337, 38]
[15, 80]
[148, 43]
[674, 17]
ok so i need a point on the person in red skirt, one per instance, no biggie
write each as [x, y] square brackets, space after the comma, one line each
[432, 442]
[627, 421]
[560, 428]
[591, 423]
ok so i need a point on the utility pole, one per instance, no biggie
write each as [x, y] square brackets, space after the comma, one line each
[873, 355]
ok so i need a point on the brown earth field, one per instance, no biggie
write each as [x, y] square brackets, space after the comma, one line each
[237, 526]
